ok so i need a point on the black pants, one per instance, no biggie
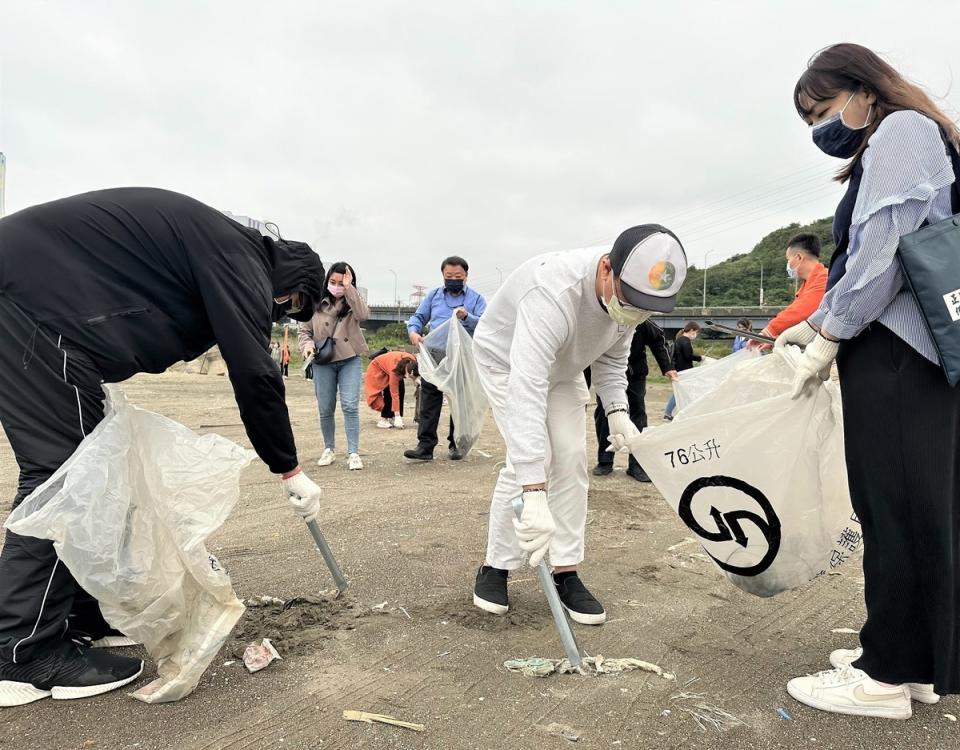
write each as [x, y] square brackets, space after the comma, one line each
[431, 402]
[387, 411]
[50, 397]
[902, 434]
[636, 393]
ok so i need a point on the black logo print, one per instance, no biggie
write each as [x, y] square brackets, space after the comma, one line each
[729, 525]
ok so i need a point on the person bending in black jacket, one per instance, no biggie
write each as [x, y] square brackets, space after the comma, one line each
[647, 335]
[95, 289]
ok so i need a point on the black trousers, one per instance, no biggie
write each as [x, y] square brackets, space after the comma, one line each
[431, 402]
[636, 393]
[50, 397]
[387, 411]
[902, 434]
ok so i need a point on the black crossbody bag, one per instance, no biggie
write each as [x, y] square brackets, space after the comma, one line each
[930, 258]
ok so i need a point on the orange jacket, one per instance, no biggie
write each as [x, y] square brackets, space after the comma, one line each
[380, 375]
[808, 299]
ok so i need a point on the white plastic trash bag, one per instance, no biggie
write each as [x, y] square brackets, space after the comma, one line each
[758, 478]
[128, 514]
[696, 382]
[454, 371]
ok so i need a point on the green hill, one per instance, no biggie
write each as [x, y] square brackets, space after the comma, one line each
[736, 281]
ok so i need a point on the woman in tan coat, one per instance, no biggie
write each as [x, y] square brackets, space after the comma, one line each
[338, 316]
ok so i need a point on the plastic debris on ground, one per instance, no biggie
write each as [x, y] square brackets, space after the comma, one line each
[950, 717]
[707, 715]
[129, 514]
[782, 713]
[258, 655]
[849, 631]
[538, 667]
[369, 718]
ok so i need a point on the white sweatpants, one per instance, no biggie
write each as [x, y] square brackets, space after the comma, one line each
[567, 481]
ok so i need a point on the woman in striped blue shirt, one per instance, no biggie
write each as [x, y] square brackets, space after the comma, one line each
[901, 418]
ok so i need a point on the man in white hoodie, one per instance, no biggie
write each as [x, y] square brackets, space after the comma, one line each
[554, 316]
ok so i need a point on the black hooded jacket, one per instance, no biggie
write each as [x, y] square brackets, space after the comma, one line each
[141, 278]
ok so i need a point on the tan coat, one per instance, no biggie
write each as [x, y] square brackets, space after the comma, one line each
[348, 336]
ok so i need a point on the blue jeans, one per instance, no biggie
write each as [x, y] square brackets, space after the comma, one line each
[671, 405]
[345, 374]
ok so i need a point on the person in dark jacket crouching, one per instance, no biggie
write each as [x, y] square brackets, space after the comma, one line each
[95, 289]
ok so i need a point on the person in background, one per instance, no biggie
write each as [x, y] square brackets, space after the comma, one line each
[647, 336]
[452, 300]
[683, 359]
[285, 356]
[338, 316]
[383, 386]
[803, 263]
[553, 317]
[741, 342]
[901, 418]
[275, 354]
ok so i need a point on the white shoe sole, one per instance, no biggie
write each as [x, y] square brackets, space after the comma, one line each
[21, 693]
[494, 609]
[325, 461]
[585, 619]
[877, 712]
[114, 641]
[919, 693]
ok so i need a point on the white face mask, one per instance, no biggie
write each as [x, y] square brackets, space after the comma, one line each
[623, 316]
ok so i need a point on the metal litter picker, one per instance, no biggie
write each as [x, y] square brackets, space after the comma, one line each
[574, 654]
[328, 558]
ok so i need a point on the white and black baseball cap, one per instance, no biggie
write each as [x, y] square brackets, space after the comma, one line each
[651, 265]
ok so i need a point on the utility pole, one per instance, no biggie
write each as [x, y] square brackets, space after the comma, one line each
[396, 295]
[706, 255]
[419, 292]
[761, 286]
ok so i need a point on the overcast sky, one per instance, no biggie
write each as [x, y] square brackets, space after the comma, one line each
[393, 134]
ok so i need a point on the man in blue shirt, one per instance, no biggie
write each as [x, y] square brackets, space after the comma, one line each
[439, 305]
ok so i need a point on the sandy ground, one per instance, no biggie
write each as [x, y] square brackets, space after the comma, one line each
[412, 536]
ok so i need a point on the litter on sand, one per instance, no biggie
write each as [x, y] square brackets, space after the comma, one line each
[784, 715]
[950, 717]
[706, 715]
[850, 631]
[263, 601]
[537, 667]
[560, 730]
[369, 718]
[258, 655]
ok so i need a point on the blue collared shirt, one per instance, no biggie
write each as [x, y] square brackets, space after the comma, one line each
[438, 306]
[906, 178]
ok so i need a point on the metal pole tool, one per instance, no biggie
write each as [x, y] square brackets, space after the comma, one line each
[328, 557]
[574, 654]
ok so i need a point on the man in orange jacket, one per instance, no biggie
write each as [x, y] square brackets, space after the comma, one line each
[803, 262]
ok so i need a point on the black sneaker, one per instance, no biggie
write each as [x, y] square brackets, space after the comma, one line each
[70, 669]
[419, 454]
[454, 454]
[601, 470]
[667, 418]
[577, 600]
[638, 473]
[490, 590]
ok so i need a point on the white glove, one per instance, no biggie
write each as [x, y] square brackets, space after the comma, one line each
[801, 334]
[398, 422]
[535, 527]
[622, 429]
[814, 366]
[303, 495]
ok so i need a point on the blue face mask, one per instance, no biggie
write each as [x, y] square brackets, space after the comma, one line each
[453, 286]
[835, 138]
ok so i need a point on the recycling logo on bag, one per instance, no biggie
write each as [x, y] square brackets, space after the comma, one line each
[740, 526]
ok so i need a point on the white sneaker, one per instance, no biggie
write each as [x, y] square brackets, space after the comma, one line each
[920, 692]
[851, 691]
[355, 463]
[326, 458]
[385, 424]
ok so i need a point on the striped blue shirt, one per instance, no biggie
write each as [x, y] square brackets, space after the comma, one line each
[906, 178]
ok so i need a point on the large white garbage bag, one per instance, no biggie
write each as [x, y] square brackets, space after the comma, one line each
[695, 383]
[128, 514]
[758, 478]
[453, 370]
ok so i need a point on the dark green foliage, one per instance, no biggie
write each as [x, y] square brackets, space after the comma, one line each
[736, 281]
